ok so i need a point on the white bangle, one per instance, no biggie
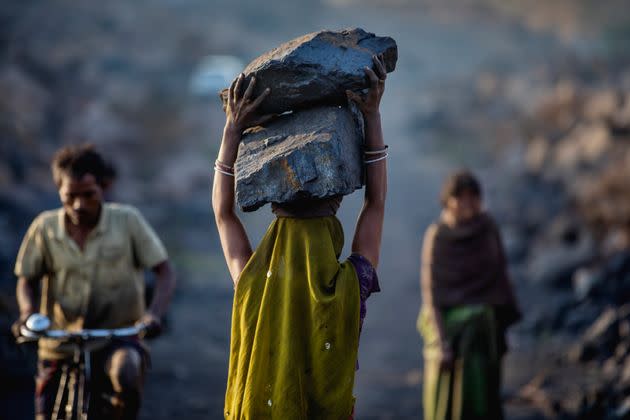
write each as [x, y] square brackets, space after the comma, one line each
[367, 162]
[223, 172]
[376, 152]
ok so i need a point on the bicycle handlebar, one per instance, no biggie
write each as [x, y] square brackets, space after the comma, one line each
[84, 335]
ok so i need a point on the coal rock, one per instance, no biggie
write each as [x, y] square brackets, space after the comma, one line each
[317, 68]
[601, 339]
[314, 153]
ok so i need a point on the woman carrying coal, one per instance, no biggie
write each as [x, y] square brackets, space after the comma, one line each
[468, 303]
[297, 309]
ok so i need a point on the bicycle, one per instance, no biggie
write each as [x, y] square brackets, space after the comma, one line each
[75, 376]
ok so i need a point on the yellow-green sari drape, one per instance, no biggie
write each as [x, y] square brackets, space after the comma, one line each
[295, 326]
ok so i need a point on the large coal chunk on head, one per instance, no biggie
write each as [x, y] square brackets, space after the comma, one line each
[317, 68]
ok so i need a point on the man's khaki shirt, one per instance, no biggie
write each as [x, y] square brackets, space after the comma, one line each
[101, 286]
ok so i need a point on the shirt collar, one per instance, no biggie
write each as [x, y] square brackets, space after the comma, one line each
[100, 227]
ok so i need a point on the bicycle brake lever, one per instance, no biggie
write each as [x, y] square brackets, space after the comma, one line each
[142, 329]
[27, 333]
[22, 340]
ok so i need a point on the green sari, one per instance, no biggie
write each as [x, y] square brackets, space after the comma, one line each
[470, 389]
[295, 326]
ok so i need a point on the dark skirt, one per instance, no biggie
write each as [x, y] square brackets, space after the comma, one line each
[470, 389]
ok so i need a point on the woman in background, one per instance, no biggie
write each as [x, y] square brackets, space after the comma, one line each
[468, 303]
[297, 310]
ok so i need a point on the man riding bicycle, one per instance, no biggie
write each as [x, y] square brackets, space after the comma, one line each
[89, 256]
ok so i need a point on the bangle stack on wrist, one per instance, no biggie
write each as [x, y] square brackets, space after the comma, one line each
[223, 168]
[373, 156]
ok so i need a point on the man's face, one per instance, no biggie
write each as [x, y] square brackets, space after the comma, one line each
[82, 199]
[465, 206]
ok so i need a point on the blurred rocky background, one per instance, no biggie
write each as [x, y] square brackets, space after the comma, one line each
[532, 95]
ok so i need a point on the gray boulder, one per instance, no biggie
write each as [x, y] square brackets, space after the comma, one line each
[317, 68]
[314, 153]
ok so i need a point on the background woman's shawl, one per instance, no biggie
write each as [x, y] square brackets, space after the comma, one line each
[295, 326]
[466, 264]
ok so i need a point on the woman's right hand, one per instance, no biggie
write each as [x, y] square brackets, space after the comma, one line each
[241, 109]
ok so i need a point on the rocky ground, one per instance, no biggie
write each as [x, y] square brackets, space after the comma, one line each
[577, 145]
[536, 100]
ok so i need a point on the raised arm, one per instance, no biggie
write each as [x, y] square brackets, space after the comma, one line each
[240, 114]
[369, 229]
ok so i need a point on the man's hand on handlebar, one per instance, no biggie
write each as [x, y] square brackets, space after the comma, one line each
[152, 325]
[18, 324]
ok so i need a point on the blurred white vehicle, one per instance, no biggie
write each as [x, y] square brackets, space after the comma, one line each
[214, 73]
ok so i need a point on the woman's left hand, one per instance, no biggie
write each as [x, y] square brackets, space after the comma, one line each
[369, 104]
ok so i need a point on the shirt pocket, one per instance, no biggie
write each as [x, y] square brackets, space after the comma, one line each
[71, 291]
[114, 263]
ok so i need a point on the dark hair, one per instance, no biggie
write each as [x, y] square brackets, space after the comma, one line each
[79, 160]
[458, 183]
